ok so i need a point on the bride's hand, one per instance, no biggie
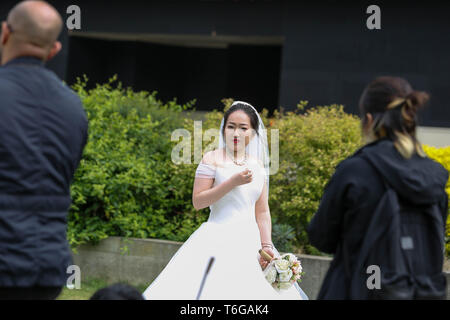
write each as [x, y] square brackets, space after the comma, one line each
[262, 261]
[243, 177]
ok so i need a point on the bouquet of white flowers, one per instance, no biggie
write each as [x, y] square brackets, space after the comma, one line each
[282, 272]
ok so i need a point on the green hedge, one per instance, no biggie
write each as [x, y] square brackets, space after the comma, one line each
[127, 184]
[311, 146]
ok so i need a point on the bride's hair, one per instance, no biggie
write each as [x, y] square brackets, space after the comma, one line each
[254, 122]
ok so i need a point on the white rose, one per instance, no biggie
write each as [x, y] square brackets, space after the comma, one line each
[286, 276]
[271, 275]
[281, 265]
[291, 257]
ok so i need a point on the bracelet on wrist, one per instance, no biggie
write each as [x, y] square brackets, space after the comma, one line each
[269, 245]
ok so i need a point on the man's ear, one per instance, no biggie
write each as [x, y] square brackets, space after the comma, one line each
[57, 46]
[5, 33]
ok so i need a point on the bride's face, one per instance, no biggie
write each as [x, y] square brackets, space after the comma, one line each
[238, 131]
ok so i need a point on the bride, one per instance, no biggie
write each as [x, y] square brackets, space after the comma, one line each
[233, 181]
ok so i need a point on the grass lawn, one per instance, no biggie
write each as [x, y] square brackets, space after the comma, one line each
[88, 288]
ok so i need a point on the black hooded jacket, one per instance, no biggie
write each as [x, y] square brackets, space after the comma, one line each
[352, 196]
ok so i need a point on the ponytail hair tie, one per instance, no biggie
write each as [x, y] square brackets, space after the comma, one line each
[408, 102]
[397, 102]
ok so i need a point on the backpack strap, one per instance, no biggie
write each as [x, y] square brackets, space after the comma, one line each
[388, 188]
[373, 231]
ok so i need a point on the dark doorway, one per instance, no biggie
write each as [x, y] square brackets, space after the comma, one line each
[207, 74]
[254, 74]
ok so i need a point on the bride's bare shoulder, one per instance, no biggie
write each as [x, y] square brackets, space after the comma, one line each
[213, 158]
[208, 158]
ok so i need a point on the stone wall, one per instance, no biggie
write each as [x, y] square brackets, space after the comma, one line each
[139, 261]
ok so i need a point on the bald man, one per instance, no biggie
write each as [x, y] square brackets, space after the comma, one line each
[43, 130]
[32, 29]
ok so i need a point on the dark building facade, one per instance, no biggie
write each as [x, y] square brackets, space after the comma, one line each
[270, 53]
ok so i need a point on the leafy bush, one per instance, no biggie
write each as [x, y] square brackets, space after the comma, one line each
[442, 155]
[283, 235]
[311, 145]
[126, 184]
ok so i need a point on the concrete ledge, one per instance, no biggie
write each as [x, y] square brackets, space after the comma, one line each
[136, 261]
[434, 136]
[139, 261]
[315, 268]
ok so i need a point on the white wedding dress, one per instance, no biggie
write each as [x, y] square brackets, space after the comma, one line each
[231, 236]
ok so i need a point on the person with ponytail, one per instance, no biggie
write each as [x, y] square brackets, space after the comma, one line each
[389, 110]
[357, 207]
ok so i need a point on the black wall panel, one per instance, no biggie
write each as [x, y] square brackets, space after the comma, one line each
[328, 55]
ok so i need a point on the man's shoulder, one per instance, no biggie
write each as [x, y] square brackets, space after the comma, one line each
[6, 77]
[7, 85]
[44, 84]
[11, 78]
[69, 92]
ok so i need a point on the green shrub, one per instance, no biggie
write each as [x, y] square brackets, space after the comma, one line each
[126, 184]
[311, 146]
[283, 236]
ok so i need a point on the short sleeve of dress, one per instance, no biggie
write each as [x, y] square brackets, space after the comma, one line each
[205, 171]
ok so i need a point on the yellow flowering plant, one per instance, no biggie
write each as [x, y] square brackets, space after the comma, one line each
[442, 155]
